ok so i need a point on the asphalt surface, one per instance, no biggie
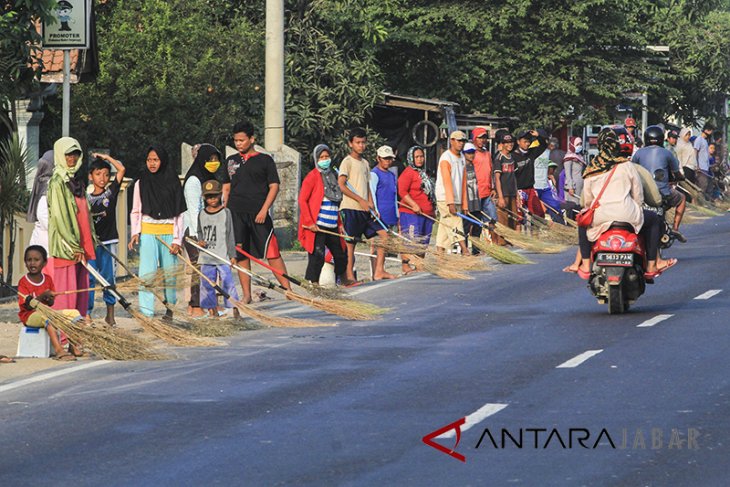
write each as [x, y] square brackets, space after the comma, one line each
[349, 405]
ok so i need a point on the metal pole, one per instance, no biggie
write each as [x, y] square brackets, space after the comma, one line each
[274, 97]
[644, 110]
[66, 114]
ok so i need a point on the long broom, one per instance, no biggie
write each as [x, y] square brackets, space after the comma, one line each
[246, 309]
[103, 341]
[165, 332]
[547, 231]
[518, 239]
[496, 252]
[351, 310]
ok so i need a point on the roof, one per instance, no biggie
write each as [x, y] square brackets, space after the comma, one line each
[416, 103]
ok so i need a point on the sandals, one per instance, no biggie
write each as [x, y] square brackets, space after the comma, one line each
[66, 357]
[658, 272]
[585, 275]
[4, 359]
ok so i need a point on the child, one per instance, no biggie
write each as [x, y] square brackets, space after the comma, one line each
[384, 191]
[103, 201]
[254, 186]
[319, 203]
[36, 286]
[357, 203]
[506, 183]
[470, 201]
[157, 211]
[215, 231]
[70, 229]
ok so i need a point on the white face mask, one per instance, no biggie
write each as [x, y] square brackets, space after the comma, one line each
[578, 149]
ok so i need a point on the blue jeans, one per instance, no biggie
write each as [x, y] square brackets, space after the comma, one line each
[552, 205]
[490, 209]
[104, 263]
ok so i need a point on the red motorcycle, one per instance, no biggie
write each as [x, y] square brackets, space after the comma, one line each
[618, 264]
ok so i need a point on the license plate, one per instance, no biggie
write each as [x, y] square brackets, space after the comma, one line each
[623, 260]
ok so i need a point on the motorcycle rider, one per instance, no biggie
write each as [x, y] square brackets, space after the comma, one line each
[661, 163]
[621, 201]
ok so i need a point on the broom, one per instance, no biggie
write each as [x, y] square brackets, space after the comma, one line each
[246, 309]
[350, 309]
[159, 329]
[496, 252]
[518, 239]
[103, 341]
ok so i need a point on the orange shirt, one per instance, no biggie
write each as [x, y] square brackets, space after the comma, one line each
[483, 168]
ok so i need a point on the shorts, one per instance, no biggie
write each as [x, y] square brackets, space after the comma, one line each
[358, 223]
[416, 227]
[257, 239]
[446, 235]
[673, 199]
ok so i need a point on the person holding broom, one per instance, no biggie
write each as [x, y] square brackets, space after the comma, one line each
[70, 228]
[319, 204]
[449, 182]
[37, 286]
[157, 211]
[417, 192]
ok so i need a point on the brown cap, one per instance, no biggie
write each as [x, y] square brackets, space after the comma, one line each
[212, 187]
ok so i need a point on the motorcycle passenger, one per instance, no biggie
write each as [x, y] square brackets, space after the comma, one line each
[621, 201]
[661, 163]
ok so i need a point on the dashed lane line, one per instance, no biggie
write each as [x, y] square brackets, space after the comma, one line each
[709, 294]
[654, 321]
[476, 417]
[578, 359]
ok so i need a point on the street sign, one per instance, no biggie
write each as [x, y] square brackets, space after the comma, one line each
[71, 29]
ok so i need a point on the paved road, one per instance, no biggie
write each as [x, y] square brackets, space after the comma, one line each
[349, 405]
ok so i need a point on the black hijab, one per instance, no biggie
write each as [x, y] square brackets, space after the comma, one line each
[198, 169]
[161, 193]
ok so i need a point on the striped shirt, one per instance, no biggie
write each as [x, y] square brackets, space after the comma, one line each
[327, 217]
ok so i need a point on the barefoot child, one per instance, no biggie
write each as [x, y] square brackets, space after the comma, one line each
[103, 201]
[215, 231]
[36, 287]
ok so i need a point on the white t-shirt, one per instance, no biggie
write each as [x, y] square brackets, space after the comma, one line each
[457, 176]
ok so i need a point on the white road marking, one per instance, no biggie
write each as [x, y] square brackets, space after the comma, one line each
[654, 321]
[51, 375]
[476, 417]
[388, 282]
[709, 294]
[578, 359]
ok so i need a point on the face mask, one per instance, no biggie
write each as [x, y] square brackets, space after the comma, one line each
[212, 166]
[578, 149]
[324, 164]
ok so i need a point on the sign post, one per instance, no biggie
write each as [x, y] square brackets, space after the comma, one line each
[69, 29]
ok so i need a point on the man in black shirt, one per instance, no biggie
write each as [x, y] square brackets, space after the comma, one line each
[254, 186]
[530, 145]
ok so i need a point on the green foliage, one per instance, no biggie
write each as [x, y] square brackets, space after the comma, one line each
[170, 72]
[13, 195]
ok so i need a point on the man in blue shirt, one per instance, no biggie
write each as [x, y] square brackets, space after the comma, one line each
[704, 176]
[660, 163]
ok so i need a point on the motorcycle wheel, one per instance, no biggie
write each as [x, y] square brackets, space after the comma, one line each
[616, 303]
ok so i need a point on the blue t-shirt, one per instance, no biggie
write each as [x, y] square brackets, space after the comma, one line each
[384, 187]
[659, 162]
[703, 154]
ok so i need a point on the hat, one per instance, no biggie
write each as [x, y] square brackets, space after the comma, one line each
[629, 122]
[386, 152]
[506, 138]
[672, 134]
[458, 135]
[525, 135]
[469, 147]
[479, 132]
[64, 4]
[211, 187]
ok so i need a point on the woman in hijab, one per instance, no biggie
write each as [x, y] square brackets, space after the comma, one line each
[574, 165]
[207, 161]
[621, 201]
[38, 206]
[157, 211]
[319, 204]
[70, 228]
[418, 198]
[686, 154]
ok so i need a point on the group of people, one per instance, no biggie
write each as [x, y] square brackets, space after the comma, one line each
[223, 206]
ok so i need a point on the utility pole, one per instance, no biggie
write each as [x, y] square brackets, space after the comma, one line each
[66, 106]
[274, 93]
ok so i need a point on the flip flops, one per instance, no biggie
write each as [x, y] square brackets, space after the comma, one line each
[585, 275]
[4, 359]
[658, 272]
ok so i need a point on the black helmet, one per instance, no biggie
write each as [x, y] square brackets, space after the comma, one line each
[653, 135]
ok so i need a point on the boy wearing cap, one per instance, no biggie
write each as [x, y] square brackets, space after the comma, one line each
[384, 190]
[215, 231]
[630, 125]
[449, 183]
[506, 183]
[484, 170]
[470, 201]
[357, 202]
